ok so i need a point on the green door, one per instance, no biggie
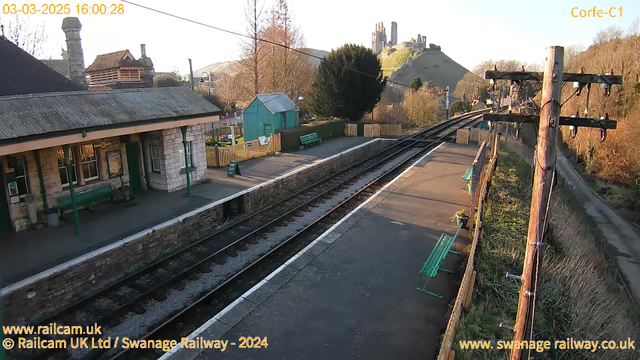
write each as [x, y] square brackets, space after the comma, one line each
[134, 168]
[5, 218]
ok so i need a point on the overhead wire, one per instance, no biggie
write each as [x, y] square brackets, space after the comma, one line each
[261, 40]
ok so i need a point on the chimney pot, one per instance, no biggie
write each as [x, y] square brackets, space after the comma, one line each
[143, 50]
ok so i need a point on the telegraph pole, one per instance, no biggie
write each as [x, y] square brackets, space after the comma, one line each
[542, 186]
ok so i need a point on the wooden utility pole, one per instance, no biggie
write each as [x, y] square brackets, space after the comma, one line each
[544, 168]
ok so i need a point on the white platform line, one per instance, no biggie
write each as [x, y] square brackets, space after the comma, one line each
[121, 243]
[256, 287]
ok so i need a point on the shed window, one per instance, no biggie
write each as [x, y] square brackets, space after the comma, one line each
[189, 156]
[64, 176]
[154, 151]
[89, 162]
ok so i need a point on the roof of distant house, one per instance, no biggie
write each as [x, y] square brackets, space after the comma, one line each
[114, 60]
[57, 114]
[277, 102]
[21, 73]
[61, 66]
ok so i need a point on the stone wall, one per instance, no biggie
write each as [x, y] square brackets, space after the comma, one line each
[47, 292]
[171, 176]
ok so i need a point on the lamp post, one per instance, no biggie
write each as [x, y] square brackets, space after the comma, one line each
[208, 81]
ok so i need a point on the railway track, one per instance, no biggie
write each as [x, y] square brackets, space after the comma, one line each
[171, 297]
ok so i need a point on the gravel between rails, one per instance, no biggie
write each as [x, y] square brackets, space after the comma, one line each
[134, 325]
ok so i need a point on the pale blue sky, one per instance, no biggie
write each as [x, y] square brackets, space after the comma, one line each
[468, 31]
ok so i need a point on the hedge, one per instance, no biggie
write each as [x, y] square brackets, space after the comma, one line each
[325, 129]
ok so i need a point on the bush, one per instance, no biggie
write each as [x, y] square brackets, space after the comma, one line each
[290, 138]
[459, 107]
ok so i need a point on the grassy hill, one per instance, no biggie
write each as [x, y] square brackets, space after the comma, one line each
[395, 60]
[430, 65]
[231, 67]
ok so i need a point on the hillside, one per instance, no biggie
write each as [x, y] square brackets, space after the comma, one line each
[230, 67]
[431, 65]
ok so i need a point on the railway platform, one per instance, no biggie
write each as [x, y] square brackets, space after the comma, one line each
[30, 252]
[352, 292]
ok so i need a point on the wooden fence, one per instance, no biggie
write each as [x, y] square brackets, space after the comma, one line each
[351, 130]
[221, 156]
[462, 136]
[463, 299]
[479, 135]
[377, 130]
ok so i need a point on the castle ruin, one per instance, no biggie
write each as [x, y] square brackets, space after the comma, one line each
[379, 40]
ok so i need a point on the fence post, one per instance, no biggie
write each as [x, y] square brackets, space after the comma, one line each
[217, 155]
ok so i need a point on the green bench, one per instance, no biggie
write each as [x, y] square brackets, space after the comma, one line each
[310, 139]
[87, 197]
[431, 267]
[466, 177]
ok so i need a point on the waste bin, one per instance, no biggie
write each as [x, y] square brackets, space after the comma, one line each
[52, 217]
[31, 208]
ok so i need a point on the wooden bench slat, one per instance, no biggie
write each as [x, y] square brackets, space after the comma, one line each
[86, 196]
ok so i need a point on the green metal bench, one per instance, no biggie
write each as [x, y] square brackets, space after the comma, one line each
[310, 139]
[431, 267]
[466, 177]
[87, 197]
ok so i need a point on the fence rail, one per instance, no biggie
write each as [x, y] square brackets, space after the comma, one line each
[463, 299]
[222, 156]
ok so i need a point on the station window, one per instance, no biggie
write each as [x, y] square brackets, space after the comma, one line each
[189, 156]
[21, 176]
[154, 151]
[64, 178]
[89, 162]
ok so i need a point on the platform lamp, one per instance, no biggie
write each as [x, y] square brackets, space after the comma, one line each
[208, 81]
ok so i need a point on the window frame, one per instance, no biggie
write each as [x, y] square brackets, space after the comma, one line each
[189, 153]
[156, 168]
[25, 176]
[82, 163]
[73, 162]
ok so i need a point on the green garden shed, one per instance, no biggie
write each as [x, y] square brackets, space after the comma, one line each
[267, 114]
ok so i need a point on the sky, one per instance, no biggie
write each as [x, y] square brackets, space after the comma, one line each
[468, 31]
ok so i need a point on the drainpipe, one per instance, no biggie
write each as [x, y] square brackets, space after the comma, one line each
[71, 192]
[186, 157]
[147, 177]
[43, 189]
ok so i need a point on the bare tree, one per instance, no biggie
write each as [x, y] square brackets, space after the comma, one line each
[609, 34]
[252, 49]
[26, 35]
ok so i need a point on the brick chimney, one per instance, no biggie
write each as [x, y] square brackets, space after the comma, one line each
[71, 27]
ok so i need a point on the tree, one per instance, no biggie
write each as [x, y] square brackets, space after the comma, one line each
[252, 50]
[416, 84]
[168, 80]
[283, 69]
[472, 87]
[348, 83]
[27, 36]
[609, 34]
[422, 107]
[460, 107]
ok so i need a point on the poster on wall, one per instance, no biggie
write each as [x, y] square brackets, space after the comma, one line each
[114, 163]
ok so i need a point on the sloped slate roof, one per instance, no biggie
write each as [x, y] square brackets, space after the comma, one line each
[113, 60]
[21, 73]
[26, 116]
[276, 102]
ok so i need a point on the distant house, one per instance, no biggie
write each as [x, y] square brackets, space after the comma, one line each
[267, 114]
[121, 70]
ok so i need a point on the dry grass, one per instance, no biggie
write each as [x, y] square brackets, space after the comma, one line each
[580, 297]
